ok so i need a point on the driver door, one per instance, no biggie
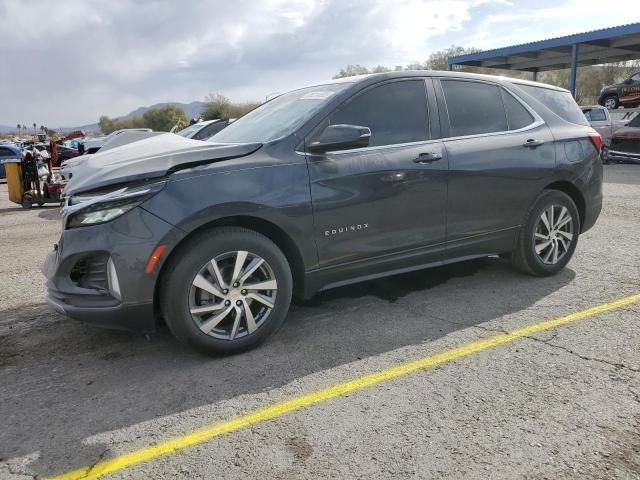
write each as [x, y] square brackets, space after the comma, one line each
[386, 200]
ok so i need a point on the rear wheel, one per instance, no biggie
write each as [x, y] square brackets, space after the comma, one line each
[610, 102]
[549, 236]
[226, 290]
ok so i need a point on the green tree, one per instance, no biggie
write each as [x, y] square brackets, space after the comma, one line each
[591, 79]
[215, 106]
[106, 125]
[436, 61]
[380, 69]
[439, 60]
[351, 70]
[218, 106]
[163, 119]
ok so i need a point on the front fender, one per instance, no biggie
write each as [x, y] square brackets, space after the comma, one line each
[278, 194]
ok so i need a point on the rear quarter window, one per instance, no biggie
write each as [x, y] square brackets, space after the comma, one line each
[517, 116]
[559, 102]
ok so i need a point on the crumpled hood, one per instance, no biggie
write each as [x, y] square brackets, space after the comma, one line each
[150, 158]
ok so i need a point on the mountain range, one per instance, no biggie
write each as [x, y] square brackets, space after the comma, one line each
[192, 110]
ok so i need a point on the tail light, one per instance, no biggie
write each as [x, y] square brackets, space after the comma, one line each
[596, 139]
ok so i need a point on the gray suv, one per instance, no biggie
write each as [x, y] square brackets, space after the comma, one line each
[320, 187]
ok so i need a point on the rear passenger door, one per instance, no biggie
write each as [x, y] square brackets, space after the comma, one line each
[499, 152]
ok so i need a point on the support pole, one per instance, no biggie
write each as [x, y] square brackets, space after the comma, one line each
[574, 69]
[535, 75]
[450, 67]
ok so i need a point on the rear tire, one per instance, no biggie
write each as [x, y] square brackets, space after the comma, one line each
[212, 274]
[549, 235]
[611, 102]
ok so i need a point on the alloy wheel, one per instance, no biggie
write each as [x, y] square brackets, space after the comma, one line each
[610, 103]
[554, 234]
[232, 295]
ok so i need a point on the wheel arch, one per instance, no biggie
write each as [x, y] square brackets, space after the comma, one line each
[270, 230]
[575, 194]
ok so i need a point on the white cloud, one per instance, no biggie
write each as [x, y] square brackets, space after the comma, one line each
[529, 23]
[75, 60]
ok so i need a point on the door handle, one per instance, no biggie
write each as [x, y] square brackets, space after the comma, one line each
[429, 157]
[532, 143]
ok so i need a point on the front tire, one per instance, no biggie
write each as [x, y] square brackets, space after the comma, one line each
[226, 290]
[549, 235]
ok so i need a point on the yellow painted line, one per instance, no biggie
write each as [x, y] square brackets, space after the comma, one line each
[280, 408]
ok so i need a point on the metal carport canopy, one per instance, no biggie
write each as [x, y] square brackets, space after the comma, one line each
[606, 45]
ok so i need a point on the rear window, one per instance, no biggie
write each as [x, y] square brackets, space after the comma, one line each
[559, 102]
[595, 115]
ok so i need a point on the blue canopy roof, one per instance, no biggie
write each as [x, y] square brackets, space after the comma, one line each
[598, 46]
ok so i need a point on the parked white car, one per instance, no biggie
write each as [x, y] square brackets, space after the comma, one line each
[69, 167]
[92, 145]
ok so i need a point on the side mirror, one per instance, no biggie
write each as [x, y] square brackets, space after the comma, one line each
[341, 137]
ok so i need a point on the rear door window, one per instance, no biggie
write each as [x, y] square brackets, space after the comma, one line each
[517, 115]
[474, 107]
[395, 112]
[559, 102]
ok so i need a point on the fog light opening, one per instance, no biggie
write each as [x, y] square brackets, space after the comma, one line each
[112, 279]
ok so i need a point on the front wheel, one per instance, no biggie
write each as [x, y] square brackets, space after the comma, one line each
[549, 235]
[226, 290]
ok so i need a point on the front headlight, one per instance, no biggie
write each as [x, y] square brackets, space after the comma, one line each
[99, 207]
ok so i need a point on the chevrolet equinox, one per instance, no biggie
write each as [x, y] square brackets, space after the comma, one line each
[324, 186]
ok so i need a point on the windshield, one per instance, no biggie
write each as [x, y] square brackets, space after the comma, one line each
[278, 117]
[187, 132]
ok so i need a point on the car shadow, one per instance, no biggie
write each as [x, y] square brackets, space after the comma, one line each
[64, 381]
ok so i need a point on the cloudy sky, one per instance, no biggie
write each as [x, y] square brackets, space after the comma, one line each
[66, 63]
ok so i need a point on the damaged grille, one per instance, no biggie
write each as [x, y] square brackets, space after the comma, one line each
[91, 272]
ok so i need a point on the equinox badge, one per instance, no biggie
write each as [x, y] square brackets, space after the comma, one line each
[345, 229]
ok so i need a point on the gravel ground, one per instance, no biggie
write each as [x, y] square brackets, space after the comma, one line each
[561, 404]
